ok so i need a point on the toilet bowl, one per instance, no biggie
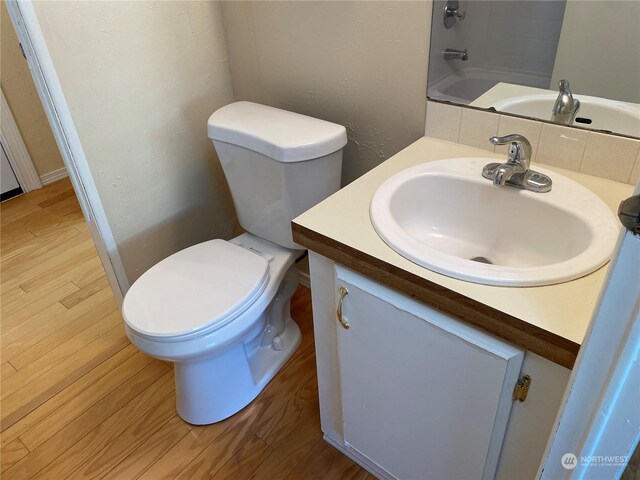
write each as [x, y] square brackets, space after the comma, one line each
[220, 310]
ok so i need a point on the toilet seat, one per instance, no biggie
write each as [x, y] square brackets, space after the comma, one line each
[195, 291]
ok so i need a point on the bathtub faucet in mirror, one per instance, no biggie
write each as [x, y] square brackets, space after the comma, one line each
[453, 54]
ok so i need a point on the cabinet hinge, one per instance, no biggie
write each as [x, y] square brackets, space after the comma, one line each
[521, 389]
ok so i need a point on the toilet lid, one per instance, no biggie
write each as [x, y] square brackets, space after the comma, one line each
[199, 288]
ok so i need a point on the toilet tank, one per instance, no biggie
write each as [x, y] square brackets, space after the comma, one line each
[278, 164]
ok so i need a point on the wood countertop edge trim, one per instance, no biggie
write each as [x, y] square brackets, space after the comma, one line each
[515, 331]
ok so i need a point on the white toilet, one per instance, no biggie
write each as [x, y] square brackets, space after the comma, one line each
[220, 309]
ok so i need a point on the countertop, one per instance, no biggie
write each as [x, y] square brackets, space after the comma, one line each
[550, 320]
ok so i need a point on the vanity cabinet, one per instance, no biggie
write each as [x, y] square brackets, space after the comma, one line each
[411, 393]
[423, 395]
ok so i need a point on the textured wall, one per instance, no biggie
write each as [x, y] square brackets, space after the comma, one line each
[141, 79]
[23, 100]
[360, 64]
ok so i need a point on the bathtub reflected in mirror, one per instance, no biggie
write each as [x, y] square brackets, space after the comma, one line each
[517, 52]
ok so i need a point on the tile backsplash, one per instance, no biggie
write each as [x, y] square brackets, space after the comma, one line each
[608, 156]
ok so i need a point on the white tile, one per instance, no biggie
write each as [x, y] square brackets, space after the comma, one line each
[635, 173]
[476, 127]
[528, 128]
[561, 146]
[443, 121]
[609, 156]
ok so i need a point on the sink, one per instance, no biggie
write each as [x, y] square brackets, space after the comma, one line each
[597, 113]
[446, 217]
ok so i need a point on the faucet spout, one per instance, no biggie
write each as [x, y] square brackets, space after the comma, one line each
[504, 173]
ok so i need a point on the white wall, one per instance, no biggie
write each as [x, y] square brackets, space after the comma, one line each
[599, 49]
[360, 64]
[141, 79]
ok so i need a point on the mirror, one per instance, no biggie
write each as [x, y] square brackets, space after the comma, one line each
[570, 62]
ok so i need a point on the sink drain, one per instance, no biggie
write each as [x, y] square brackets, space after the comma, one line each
[482, 260]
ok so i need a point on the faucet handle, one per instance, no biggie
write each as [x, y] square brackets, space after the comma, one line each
[519, 147]
[563, 86]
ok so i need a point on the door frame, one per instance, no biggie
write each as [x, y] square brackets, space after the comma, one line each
[17, 153]
[27, 26]
[599, 417]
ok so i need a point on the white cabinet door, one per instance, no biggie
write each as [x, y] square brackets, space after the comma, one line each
[424, 396]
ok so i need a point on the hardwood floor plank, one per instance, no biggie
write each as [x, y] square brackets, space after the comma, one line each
[9, 293]
[280, 425]
[324, 462]
[17, 264]
[57, 198]
[90, 396]
[89, 275]
[48, 266]
[50, 320]
[44, 386]
[30, 367]
[9, 243]
[127, 441]
[305, 438]
[11, 453]
[151, 450]
[60, 401]
[13, 315]
[101, 423]
[12, 247]
[85, 292]
[110, 430]
[35, 345]
[19, 207]
[6, 371]
[70, 272]
[245, 461]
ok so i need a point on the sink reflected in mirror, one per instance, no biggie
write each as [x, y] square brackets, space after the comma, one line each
[446, 217]
[595, 113]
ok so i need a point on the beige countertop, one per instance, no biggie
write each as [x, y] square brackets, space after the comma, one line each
[563, 310]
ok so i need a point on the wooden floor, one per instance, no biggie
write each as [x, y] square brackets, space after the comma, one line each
[79, 401]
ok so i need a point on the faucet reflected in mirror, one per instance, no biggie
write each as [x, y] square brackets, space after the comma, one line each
[453, 54]
[566, 107]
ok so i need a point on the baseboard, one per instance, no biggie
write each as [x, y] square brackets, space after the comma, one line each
[304, 279]
[360, 459]
[54, 176]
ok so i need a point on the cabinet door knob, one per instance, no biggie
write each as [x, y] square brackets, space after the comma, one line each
[343, 321]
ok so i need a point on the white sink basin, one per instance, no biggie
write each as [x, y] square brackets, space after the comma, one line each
[605, 114]
[443, 214]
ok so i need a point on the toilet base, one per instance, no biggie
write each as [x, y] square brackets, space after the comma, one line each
[214, 388]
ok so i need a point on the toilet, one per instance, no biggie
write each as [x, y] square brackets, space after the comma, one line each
[219, 310]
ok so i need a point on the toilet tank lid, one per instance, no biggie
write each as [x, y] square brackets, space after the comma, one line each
[278, 134]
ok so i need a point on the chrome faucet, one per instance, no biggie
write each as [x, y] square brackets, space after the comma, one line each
[453, 54]
[515, 172]
[566, 107]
